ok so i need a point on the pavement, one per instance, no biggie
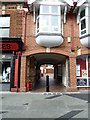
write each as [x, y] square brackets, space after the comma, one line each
[51, 105]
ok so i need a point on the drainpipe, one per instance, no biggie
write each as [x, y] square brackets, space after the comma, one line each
[71, 13]
[26, 10]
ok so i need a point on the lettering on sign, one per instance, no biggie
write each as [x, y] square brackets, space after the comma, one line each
[8, 46]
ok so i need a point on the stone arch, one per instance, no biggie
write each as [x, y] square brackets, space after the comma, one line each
[59, 52]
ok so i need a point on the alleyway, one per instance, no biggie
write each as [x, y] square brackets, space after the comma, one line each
[54, 85]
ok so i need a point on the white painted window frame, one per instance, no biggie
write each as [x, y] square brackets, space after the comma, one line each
[50, 15]
[4, 26]
[86, 19]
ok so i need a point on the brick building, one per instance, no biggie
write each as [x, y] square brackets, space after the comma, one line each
[37, 32]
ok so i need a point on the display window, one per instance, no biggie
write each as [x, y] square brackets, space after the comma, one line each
[5, 71]
[83, 71]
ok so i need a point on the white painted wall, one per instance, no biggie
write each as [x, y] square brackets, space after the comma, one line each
[64, 74]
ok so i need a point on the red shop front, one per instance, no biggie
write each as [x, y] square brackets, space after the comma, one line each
[83, 71]
[10, 53]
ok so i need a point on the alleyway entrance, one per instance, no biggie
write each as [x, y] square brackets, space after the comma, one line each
[53, 65]
[54, 85]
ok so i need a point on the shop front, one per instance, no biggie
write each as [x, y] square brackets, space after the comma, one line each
[9, 48]
[5, 65]
[83, 71]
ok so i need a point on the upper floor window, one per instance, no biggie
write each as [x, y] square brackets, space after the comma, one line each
[49, 19]
[82, 14]
[4, 26]
[46, 9]
[83, 22]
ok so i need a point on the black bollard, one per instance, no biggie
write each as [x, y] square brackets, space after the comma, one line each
[47, 83]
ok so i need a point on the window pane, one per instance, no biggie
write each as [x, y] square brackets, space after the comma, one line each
[38, 24]
[54, 9]
[82, 14]
[89, 11]
[45, 9]
[4, 32]
[44, 23]
[54, 20]
[54, 23]
[81, 82]
[44, 20]
[83, 24]
[83, 32]
[4, 21]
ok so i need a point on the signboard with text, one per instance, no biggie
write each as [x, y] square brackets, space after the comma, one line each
[9, 46]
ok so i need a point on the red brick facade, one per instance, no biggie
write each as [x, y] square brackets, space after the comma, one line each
[32, 48]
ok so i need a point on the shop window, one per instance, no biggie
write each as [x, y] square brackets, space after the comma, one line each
[77, 70]
[5, 71]
[48, 19]
[4, 26]
[82, 71]
[81, 82]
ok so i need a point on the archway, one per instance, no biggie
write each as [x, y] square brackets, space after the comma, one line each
[60, 76]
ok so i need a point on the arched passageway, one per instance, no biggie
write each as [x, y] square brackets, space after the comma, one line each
[54, 65]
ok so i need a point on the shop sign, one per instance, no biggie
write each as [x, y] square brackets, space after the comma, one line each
[5, 46]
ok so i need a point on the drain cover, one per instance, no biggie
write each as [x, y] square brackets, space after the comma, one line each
[26, 104]
[2, 112]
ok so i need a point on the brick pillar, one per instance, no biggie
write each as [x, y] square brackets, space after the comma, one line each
[67, 73]
[72, 74]
[23, 74]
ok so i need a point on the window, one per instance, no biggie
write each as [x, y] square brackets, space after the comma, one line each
[54, 9]
[83, 22]
[4, 26]
[82, 71]
[5, 71]
[49, 19]
[81, 82]
[82, 14]
[77, 70]
[38, 24]
[45, 9]
[54, 23]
